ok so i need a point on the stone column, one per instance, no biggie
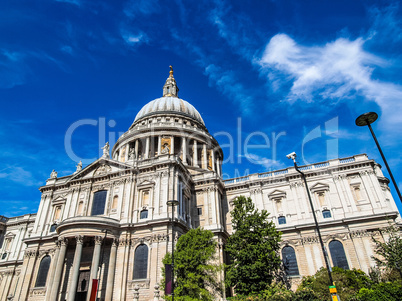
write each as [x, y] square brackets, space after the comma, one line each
[218, 166]
[52, 271]
[126, 153]
[110, 271]
[184, 150]
[213, 159]
[136, 149]
[159, 145]
[76, 268]
[172, 145]
[95, 264]
[195, 153]
[204, 156]
[146, 155]
[59, 269]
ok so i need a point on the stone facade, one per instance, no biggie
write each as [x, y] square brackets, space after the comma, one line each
[110, 220]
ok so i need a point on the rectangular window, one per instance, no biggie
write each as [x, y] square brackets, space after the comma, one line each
[199, 211]
[98, 205]
[326, 214]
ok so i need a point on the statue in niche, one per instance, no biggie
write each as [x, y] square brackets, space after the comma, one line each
[53, 174]
[165, 149]
[106, 150]
[131, 154]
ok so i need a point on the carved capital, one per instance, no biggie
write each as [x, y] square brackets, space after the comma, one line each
[98, 240]
[79, 239]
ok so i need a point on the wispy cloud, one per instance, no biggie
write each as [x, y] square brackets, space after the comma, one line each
[75, 2]
[337, 71]
[266, 163]
[134, 39]
[19, 175]
[143, 7]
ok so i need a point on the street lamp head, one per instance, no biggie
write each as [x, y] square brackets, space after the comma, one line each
[366, 119]
[292, 156]
[172, 203]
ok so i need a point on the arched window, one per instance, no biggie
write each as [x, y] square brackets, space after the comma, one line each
[141, 262]
[144, 214]
[326, 213]
[282, 220]
[338, 255]
[290, 261]
[98, 206]
[43, 271]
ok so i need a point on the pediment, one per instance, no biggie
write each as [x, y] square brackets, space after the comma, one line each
[99, 168]
[319, 187]
[277, 194]
[146, 183]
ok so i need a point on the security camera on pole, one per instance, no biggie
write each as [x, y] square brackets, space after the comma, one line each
[332, 287]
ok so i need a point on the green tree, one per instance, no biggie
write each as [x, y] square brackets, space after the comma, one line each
[194, 268]
[348, 283]
[253, 248]
[390, 251]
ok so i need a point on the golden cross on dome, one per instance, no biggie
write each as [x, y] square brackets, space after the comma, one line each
[171, 71]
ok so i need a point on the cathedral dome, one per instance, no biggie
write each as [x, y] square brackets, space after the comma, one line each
[169, 104]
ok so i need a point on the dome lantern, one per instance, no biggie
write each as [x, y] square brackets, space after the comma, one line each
[170, 88]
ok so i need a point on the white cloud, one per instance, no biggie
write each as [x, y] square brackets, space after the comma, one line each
[133, 39]
[20, 176]
[268, 164]
[75, 2]
[335, 71]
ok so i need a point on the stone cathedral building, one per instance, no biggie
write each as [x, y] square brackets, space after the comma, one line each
[110, 221]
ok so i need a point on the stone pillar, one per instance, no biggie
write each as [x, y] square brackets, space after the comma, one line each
[110, 271]
[59, 269]
[172, 145]
[76, 268]
[213, 159]
[218, 166]
[126, 153]
[136, 149]
[159, 145]
[204, 156]
[146, 155]
[184, 150]
[195, 153]
[95, 263]
[52, 271]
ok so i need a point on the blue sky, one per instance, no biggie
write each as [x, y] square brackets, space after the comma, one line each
[291, 75]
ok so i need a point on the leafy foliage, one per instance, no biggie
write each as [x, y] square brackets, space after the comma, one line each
[253, 248]
[385, 291]
[348, 282]
[194, 271]
[390, 251]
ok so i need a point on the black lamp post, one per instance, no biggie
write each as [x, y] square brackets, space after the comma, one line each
[368, 119]
[293, 157]
[172, 203]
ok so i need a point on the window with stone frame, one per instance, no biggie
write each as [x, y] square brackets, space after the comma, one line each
[289, 261]
[326, 213]
[338, 255]
[281, 220]
[144, 214]
[43, 271]
[321, 198]
[141, 262]
[98, 203]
